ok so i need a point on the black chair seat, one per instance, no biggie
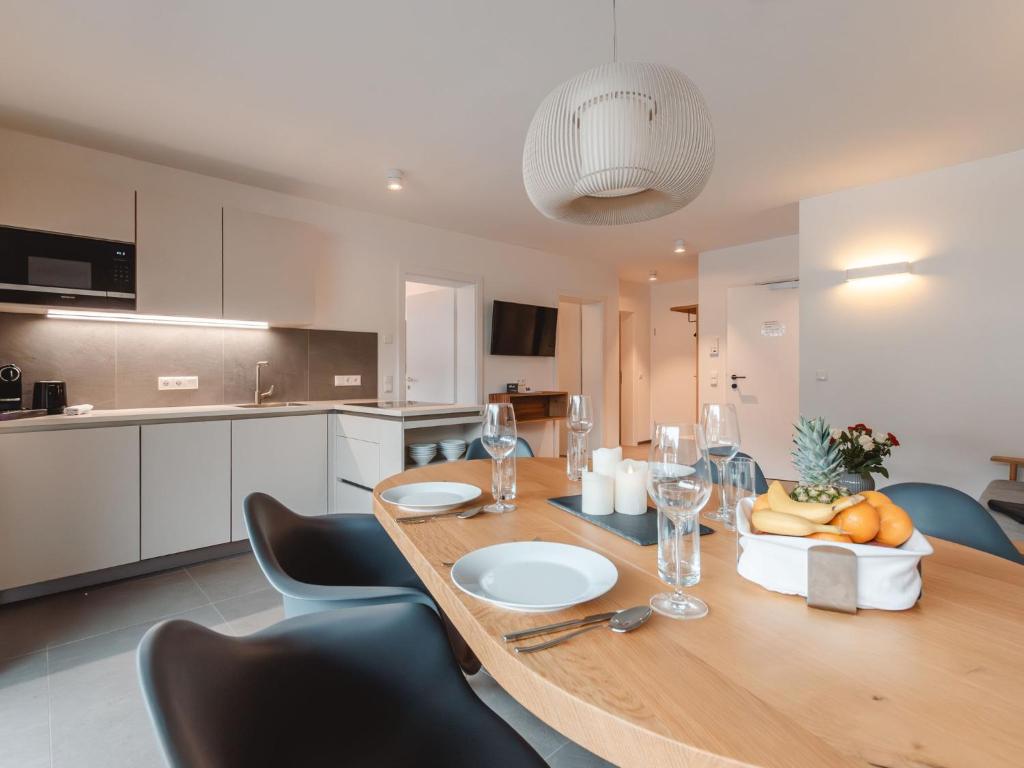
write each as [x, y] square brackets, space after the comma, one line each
[365, 686]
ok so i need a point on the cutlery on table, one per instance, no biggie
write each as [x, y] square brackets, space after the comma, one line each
[558, 627]
[462, 514]
[623, 621]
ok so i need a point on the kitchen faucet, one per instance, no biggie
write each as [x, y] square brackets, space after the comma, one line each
[258, 396]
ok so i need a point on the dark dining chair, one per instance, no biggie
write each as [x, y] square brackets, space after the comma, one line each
[476, 450]
[760, 483]
[373, 685]
[946, 513]
[328, 562]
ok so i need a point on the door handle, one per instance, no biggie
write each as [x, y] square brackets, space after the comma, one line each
[734, 377]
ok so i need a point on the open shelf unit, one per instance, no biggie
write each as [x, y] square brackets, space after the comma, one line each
[534, 406]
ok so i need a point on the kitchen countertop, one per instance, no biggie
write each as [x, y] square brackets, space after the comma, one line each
[127, 416]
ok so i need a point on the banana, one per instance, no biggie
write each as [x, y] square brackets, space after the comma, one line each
[780, 501]
[788, 525]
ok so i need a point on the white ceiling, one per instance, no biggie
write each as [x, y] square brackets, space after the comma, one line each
[321, 97]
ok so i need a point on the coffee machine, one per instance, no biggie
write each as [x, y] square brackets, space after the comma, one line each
[10, 387]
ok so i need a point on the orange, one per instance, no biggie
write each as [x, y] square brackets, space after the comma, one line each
[895, 525]
[860, 522]
[762, 503]
[831, 537]
[875, 499]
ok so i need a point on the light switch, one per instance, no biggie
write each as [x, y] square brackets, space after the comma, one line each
[389, 383]
[177, 382]
[821, 375]
[714, 346]
[388, 338]
[348, 381]
[714, 378]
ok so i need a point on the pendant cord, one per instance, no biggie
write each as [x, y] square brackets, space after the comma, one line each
[615, 36]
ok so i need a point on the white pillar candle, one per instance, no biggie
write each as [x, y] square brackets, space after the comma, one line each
[598, 494]
[631, 487]
[606, 460]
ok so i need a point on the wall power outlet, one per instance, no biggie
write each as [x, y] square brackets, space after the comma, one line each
[348, 381]
[177, 382]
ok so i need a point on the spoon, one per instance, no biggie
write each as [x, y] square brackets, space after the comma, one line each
[465, 514]
[623, 621]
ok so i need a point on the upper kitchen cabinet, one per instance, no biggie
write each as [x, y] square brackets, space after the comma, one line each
[65, 203]
[270, 268]
[179, 256]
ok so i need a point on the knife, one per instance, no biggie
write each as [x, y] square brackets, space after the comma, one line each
[523, 634]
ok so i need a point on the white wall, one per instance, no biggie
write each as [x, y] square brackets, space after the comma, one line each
[569, 359]
[673, 354]
[636, 299]
[935, 357]
[763, 261]
[358, 285]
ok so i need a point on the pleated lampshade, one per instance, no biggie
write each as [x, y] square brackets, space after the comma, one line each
[618, 144]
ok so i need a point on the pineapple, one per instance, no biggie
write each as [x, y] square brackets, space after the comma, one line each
[818, 462]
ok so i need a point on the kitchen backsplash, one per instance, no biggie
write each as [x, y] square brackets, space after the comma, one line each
[116, 365]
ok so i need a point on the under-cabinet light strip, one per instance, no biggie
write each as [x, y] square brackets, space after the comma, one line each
[125, 317]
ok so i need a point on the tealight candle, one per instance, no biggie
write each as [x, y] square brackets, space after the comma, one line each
[598, 494]
[631, 487]
[606, 460]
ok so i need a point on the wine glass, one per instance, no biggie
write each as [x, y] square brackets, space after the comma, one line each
[580, 420]
[679, 481]
[722, 430]
[498, 435]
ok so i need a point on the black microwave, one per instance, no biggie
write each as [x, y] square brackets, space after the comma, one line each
[65, 270]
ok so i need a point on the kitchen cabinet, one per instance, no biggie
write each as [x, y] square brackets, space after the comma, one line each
[70, 503]
[186, 486]
[270, 268]
[52, 201]
[178, 252]
[366, 450]
[284, 456]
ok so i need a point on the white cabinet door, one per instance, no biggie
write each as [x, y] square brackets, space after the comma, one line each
[357, 471]
[70, 503]
[186, 486]
[270, 268]
[179, 256]
[284, 456]
[44, 199]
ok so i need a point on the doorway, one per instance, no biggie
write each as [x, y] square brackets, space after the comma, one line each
[580, 360]
[627, 378]
[441, 340]
[763, 352]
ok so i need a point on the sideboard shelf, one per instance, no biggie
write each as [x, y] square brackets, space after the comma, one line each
[536, 406]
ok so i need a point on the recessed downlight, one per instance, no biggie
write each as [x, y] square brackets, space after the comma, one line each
[653, 276]
[395, 180]
[680, 247]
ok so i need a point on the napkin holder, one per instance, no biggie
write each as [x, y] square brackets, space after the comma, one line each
[832, 579]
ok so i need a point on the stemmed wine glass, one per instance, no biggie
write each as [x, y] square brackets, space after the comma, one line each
[679, 481]
[498, 435]
[580, 420]
[722, 430]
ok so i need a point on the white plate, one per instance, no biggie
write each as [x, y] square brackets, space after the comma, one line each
[430, 497]
[534, 576]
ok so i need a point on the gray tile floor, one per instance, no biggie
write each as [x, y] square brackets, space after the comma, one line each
[69, 696]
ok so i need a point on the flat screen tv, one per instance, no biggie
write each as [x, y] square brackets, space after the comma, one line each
[523, 329]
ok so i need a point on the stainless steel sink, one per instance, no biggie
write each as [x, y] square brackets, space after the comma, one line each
[268, 405]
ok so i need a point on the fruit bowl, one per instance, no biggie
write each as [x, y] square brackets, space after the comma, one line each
[888, 578]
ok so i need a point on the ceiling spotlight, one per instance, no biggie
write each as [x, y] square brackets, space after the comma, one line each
[653, 277]
[680, 247]
[395, 177]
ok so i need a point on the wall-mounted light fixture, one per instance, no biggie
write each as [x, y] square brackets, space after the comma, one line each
[125, 317]
[879, 270]
[680, 247]
[653, 276]
[395, 178]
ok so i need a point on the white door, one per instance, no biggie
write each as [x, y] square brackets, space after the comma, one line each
[430, 365]
[763, 352]
[627, 379]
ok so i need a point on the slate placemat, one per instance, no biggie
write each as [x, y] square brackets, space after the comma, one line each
[640, 529]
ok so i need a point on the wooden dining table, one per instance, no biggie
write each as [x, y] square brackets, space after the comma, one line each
[763, 679]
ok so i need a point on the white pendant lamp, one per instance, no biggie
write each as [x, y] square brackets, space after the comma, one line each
[621, 143]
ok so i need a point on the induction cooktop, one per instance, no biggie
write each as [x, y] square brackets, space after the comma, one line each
[395, 404]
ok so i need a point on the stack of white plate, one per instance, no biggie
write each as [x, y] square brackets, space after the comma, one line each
[423, 453]
[453, 449]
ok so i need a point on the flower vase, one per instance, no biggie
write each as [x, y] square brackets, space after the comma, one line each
[855, 483]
